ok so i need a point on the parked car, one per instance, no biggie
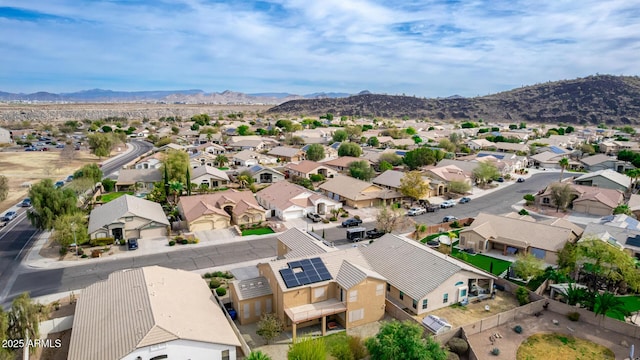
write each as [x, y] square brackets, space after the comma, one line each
[449, 218]
[464, 200]
[351, 222]
[3, 223]
[432, 208]
[448, 204]
[374, 234]
[356, 234]
[30, 148]
[132, 244]
[69, 178]
[9, 215]
[520, 180]
[26, 203]
[416, 211]
[59, 184]
[314, 217]
[500, 179]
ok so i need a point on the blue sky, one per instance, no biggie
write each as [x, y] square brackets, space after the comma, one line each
[423, 48]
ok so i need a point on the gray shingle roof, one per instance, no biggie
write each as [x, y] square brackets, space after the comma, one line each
[131, 176]
[302, 244]
[351, 275]
[252, 288]
[408, 266]
[126, 205]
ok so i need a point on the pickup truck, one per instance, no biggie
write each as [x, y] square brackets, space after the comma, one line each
[374, 234]
[314, 217]
[3, 223]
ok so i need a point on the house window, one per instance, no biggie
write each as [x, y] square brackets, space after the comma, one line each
[388, 287]
[415, 304]
[353, 295]
[425, 303]
[356, 315]
[225, 355]
[268, 307]
[463, 240]
[401, 295]
[247, 310]
[258, 309]
[463, 292]
[159, 357]
[545, 201]
[379, 289]
[445, 298]
[214, 184]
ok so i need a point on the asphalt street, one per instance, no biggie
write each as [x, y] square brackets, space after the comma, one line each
[16, 238]
[49, 281]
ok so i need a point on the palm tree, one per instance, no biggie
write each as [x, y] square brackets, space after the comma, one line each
[634, 174]
[23, 321]
[176, 188]
[574, 294]
[420, 228]
[258, 355]
[221, 160]
[564, 163]
[243, 180]
[608, 302]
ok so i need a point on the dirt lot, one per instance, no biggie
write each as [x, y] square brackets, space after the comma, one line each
[458, 316]
[21, 167]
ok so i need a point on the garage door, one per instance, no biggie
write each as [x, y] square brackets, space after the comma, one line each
[153, 232]
[288, 215]
[130, 234]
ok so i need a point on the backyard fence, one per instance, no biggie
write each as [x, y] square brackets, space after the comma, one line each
[55, 325]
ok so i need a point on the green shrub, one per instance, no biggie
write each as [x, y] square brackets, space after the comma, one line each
[495, 352]
[455, 224]
[333, 218]
[316, 177]
[307, 349]
[221, 291]
[84, 256]
[458, 345]
[325, 221]
[357, 347]
[344, 215]
[517, 329]
[355, 216]
[341, 351]
[172, 243]
[574, 316]
[63, 251]
[102, 241]
[452, 356]
[522, 294]
[207, 275]
[184, 241]
[214, 284]
[523, 212]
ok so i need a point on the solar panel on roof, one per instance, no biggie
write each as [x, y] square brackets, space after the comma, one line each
[633, 241]
[311, 271]
[556, 150]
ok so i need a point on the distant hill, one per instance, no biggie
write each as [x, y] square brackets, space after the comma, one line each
[590, 100]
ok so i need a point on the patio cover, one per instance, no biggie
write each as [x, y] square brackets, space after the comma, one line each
[317, 310]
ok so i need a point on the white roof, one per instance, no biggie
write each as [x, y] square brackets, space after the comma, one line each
[126, 205]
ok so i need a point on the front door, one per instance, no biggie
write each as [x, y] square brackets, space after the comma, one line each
[117, 233]
[462, 294]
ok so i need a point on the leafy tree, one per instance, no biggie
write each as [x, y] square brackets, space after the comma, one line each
[459, 187]
[48, 203]
[403, 341]
[564, 163]
[307, 349]
[529, 198]
[340, 135]
[373, 141]
[628, 129]
[609, 303]
[384, 166]
[410, 131]
[587, 149]
[349, 149]
[70, 228]
[353, 132]
[243, 130]
[484, 172]
[567, 257]
[176, 188]
[107, 129]
[413, 185]
[91, 171]
[177, 164]
[4, 187]
[606, 264]
[391, 158]
[389, 218]
[295, 140]
[527, 266]
[447, 145]
[522, 294]
[165, 140]
[421, 157]
[361, 170]
[561, 195]
[634, 174]
[269, 327]
[221, 160]
[24, 320]
[258, 355]
[158, 193]
[100, 144]
[108, 184]
[622, 209]
[288, 125]
[315, 152]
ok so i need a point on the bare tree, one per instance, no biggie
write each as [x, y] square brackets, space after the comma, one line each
[561, 194]
[389, 219]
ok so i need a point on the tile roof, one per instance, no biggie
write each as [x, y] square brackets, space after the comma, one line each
[258, 168]
[410, 266]
[252, 288]
[126, 205]
[302, 244]
[132, 176]
[343, 161]
[195, 206]
[142, 307]
[616, 177]
[304, 166]
[354, 189]
[209, 170]
[596, 159]
[284, 151]
[351, 275]
[284, 195]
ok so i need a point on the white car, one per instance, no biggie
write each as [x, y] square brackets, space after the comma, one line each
[448, 204]
[416, 211]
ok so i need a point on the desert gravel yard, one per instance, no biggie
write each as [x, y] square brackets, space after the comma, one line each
[462, 315]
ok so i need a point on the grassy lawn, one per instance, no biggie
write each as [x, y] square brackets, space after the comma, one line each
[559, 346]
[632, 304]
[114, 195]
[483, 262]
[257, 231]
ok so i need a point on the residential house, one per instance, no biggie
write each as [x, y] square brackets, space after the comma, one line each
[139, 180]
[213, 138]
[295, 243]
[306, 168]
[606, 179]
[5, 136]
[512, 147]
[128, 217]
[551, 160]
[202, 159]
[150, 162]
[342, 163]
[209, 176]
[613, 147]
[585, 199]
[287, 154]
[150, 313]
[265, 175]
[603, 162]
[447, 174]
[171, 146]
[357, 193]
[220, 210]
[480, 144]
[634, 205]
[511, 236]
[563, 141]
[286, 201]
[391, 179]
[213, 149]
[620, 231]
[250, 158]
[247, 144]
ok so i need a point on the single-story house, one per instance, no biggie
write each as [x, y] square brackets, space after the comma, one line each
[602, 162]
[287, 154]
[209, 176]
[512, 147]
[480, 144]
[391, 179]
[141, 180]
[605, 179]
[250, 158]
[585, 199]
[286, 201]
[448, 173]
[265, 175]
[220, 210]
[357, 193]
[612, 147]
[306, 168]
[151, 313]
[342, 163]
[510, 236]
[128, 217]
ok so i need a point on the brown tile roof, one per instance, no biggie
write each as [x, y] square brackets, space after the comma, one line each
[304, 166]
[284, 194]
[343, 161]
[198, 205]
[354, 189]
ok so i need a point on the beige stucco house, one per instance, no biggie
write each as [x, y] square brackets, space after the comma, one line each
[357, 193]
[220, 210]
[585, 199]
[128, 217]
